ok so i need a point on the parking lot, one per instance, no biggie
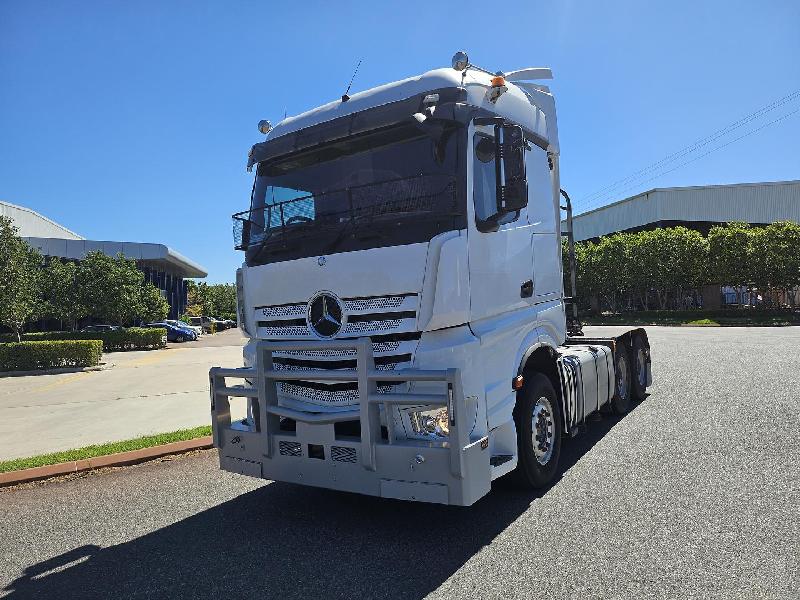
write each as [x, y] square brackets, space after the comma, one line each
[695, 493]
[141, 393]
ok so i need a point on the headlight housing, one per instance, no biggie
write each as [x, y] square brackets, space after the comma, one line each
[240, 305]
[431, 423]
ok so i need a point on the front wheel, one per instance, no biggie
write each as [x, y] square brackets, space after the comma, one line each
[179, 339]
[537, 416]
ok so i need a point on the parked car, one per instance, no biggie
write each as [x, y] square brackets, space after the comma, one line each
[220, 324]
[230, 323]
[198, 329]
[100, 328]
[202, 322]
[175, 334]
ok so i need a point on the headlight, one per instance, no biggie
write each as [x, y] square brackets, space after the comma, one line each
[430, 424]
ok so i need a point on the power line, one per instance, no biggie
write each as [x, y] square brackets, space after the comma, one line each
[696, 158]
[600, 194]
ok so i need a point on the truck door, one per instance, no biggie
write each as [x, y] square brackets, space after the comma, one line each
[543, 217]
[499, 255]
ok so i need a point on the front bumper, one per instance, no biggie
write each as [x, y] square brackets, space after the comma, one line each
[457, 472]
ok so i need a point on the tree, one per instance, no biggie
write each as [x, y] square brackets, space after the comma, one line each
[221, 298]
[775, 257]
[610, 266]
[111, 287]
[62, 300]
[20, 269]
[729, 254]
[217, 300]
[155, 307]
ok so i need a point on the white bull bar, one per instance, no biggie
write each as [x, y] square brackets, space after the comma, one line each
[456, 472]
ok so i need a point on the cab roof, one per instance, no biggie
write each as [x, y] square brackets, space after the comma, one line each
[530, 105]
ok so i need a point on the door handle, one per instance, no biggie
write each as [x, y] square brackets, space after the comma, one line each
[526, 289]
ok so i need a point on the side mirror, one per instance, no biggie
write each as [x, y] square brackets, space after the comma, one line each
[512, 184]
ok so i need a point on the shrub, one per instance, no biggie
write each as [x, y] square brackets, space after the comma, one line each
[25, 356]
[133, 338]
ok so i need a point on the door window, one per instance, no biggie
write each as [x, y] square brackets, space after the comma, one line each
[484, 180]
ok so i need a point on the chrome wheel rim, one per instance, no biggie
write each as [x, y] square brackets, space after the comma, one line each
[622, 377]
[542, 431]
[641, 367]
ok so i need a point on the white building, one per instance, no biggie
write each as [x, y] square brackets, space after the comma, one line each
[162, 266]
[697, 207]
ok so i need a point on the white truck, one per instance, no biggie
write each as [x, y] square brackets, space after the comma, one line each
[403, 296]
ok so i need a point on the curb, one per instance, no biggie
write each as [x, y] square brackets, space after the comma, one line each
[59, 371]
[110, 460]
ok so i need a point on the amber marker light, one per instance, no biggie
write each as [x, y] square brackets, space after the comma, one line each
[517, 382]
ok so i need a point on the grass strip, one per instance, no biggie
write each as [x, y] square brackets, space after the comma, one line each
[708, 318]
[147, 441]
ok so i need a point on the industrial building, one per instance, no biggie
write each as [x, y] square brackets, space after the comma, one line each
[697, 207]
[162, 266]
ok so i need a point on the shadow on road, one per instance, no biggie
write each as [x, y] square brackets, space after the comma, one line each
[283, 540]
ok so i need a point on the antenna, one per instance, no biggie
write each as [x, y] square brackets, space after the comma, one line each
[345, 97]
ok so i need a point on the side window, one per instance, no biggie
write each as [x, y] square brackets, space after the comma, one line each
[541, 206]
[484, 180]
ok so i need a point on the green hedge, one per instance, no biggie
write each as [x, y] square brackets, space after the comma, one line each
[27, 356]
[133, 338]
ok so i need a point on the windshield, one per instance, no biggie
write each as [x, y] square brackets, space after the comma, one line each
[388, 187]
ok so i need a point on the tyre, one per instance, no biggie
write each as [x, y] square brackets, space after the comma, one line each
[641, 358]
[621, 402]
[179, 339]
[537, 417]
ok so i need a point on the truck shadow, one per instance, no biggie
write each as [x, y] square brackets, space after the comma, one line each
[287, 541]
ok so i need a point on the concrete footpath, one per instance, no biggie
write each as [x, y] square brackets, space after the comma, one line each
[145, 392]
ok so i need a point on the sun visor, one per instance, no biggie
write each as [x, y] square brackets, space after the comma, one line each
[355, 123]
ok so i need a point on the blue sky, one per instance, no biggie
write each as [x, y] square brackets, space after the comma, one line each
[132, 121]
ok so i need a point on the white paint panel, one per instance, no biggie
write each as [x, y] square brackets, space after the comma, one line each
[373, 272]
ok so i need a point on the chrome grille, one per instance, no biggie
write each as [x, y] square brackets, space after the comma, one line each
[289, 331]
[389, 320]
[367, 326]
[277, 312]
[364, 304]
[324, 396]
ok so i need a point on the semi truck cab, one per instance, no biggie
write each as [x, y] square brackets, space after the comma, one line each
[402, 293]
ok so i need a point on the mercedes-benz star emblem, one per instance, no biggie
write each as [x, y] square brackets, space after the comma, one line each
[321, 261]
[325, 315]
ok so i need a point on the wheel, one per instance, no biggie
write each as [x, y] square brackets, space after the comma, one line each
[641, 358]
[537, 416]
[179, 339]
[621, 402]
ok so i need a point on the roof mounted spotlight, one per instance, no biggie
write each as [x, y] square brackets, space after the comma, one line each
[264, 126]
[460, 60]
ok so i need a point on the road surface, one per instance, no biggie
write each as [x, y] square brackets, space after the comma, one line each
[694, 494]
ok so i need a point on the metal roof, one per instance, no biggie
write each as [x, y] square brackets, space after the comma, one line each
[31, 223]
[53, 239]
[757, 203]
[157, 255]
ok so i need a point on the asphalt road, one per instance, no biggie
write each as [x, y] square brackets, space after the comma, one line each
[694, 494]
[144, 392]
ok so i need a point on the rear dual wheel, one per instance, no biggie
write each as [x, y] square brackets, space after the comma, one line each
[630, 374]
